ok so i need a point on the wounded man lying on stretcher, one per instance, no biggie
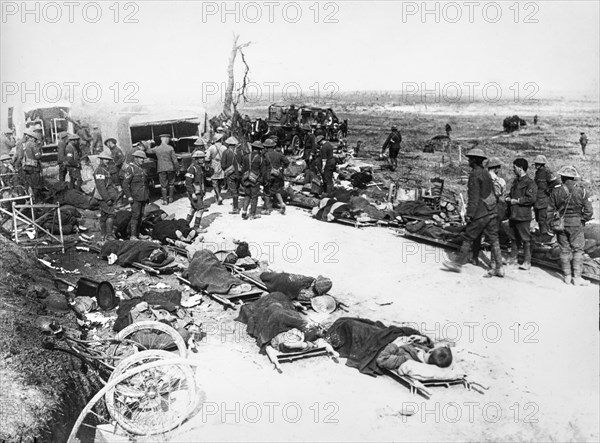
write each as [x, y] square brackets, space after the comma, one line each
[416, 357]
[296, 340]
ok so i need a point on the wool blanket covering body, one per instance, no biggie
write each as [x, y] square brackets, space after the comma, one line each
[206, 272]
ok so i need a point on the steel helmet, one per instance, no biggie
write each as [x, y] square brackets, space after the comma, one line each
[231, 141]
[476, 152]
[198, 154]
[140, 154]
[4, 157]
[540, 160]
[568, 171]
[105, 156]
[494, 162]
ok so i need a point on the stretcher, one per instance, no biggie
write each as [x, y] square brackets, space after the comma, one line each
[229, 301]
[421, 387]
[322, 348]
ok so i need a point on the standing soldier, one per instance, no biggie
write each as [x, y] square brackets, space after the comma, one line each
[481, 215]
[328, 164]
[194, 184]
[253, 171]
[96, 140]
[117, 160]
[543, 178]
[231, 165]
[570, 201]
[521, 199]
[32, 168]
[583, 141]
[106, 193]
[448, 130]
[214, 155]
[392, 142]
[7, 142]
[73, 162]
[309, 143]
[167, 166]
[275, 178]
[85, 140]
[199, 145]
[135, 186]
[61, 159]
[535, 119]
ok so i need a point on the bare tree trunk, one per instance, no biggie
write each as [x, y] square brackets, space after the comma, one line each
[229, 105]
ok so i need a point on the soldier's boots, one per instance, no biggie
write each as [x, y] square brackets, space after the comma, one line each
[578, 270]
[496, 270]
[164, 196]
[565, 262]
[526, 266]
[236, 209]
[268, 206]
[462, 258]
[281, 204]
[171, 194]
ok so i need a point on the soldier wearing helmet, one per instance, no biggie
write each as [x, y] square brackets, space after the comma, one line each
[135, 186]
[392, 142]
[106, 193]
[194, 185]
[73, 162]
[253, 174]
[231, 163]
[30, 161]
[481, 216]
[521, 198]
[571, 202]
[543, 177]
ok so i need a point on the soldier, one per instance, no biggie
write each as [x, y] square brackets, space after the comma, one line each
[448, 130]
[275, 180]
[309, 143]
[214, 155]
[8, 174]
[61, 159]
[32, 168]
[231, 165]
[583, 141]
[135, 186]
[253, 173]
[117, 159]
[392, 142]
[481, 216]
[328, 164]
[73, 162]
[85, 140]
[521, 199]
[96, 140]
[199, 145]
[167, 166]
[194, 184]
[570, 201]
[7, 142]
[106, 193]
[535, 119]
[543, 177]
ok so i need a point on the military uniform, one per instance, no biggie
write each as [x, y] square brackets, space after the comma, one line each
[116, 164]
[310, 146]
[135, 186]
[392, 142]
[543, 178]
[571, 201]
[84, 141]
[166, 165]
[32, 168]
[329, 164]
[231, 162]
[524, 190]
[278, 162]
[106, 193]
[73, 164]
[194, 185]
[253, 166]
[61, 148]
[96, 141]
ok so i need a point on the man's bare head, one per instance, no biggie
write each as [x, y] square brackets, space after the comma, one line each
[441, 357]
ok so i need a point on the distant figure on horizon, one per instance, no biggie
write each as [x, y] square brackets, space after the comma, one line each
[448, 129]
[583, 141]
[535, 119]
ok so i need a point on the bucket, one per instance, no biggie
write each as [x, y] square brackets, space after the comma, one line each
[103, 291]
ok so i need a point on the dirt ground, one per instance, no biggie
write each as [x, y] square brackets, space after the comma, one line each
[531, 339]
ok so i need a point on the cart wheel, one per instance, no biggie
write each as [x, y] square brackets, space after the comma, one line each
[94, 418]
[154, 401]
[145, 335]
[295, 144]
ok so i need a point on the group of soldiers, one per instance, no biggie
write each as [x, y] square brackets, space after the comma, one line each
[560, 202]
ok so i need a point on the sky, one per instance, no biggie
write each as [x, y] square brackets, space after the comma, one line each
[152, 51]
